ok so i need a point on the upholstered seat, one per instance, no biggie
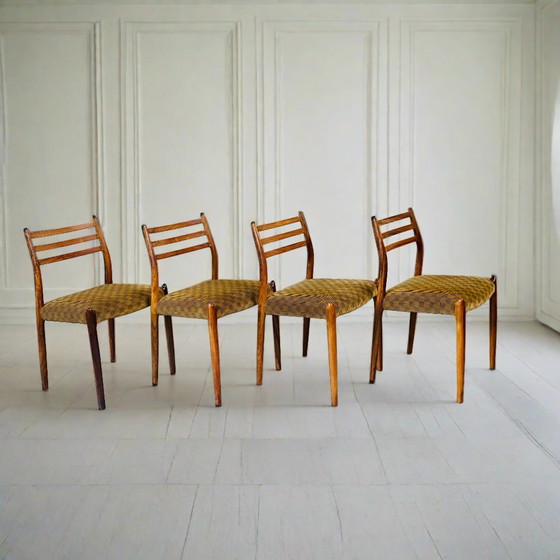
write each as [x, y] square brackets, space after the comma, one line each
[309, 298]
[227, 296]
[108, 301]
[438, 294]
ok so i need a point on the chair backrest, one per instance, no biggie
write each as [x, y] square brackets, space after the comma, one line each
[70, 247]
[287, 229]
[385, 230]
[197, 229]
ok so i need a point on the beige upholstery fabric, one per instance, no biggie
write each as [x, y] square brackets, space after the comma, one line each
[309, 298]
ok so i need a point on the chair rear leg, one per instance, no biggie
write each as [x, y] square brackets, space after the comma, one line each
[41, 339]
[112, 348]
[411, 332]
[260, 343]
[493, 323]
[276, 335]
[460, 317]
[333, 363]
[215, 352]
[376, 344]
[91, 321]
[167, 320]
[305, 345]
[154, 329]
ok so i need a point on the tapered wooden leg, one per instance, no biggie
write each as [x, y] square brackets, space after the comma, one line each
[215, 352]
[41, 339]
[411, 332]
[260, 343]
[112, 348]
[333, 364]
[276, 335]
[305, 345]
[154, 322]
[167, 320]
[380, 349]
[376, 343]
[460, 316]
[493, 323]
[91, 321]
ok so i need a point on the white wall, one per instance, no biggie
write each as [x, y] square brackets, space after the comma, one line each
[548, 216]
[151, 114]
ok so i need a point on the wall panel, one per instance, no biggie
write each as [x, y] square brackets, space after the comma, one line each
[181, 144]
[50, 172]
[321, 101]
[461, 120]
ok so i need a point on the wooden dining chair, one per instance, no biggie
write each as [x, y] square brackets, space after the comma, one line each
[317, 298]
[210, 299]
[423, 293]
[100, 303]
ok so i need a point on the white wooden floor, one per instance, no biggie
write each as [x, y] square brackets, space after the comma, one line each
[397, 471]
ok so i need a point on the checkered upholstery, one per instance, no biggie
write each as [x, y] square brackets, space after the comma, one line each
[438, 294]
[108, 301]
[309, 298]
[229, 296]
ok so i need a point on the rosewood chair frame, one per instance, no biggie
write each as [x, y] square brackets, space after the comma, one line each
[100, 246]
[384, 245]
[207, 242]
[299, 229]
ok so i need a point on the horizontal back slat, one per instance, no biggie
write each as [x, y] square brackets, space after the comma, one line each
[59, 231]
[285, 249]
[278, 224]
[395, 218]
[178, 225]
[71, 255]
[65, 243]
[178, 238]
[281, 236]
[182, 251]
[396, 231]
[400, 243]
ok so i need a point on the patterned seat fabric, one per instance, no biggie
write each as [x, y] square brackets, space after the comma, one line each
[108, 301]
[438, 293]
[229, 296]
[309, 298]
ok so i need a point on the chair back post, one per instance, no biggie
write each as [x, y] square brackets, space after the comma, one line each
[155, 293]
[419, 244]
[105, 250]
[310, 251]
[382, 254]
[263, 268]
[37, 276]
[213, 249]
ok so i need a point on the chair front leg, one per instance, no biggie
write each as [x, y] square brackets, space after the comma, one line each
[112, 348]
[260, 343]
[41, 339]
[306, 323]
[91, 321]
[215, 352]
[333, 363]
[493, 323]
[411, 332]
[460, 317]
[167, 320]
